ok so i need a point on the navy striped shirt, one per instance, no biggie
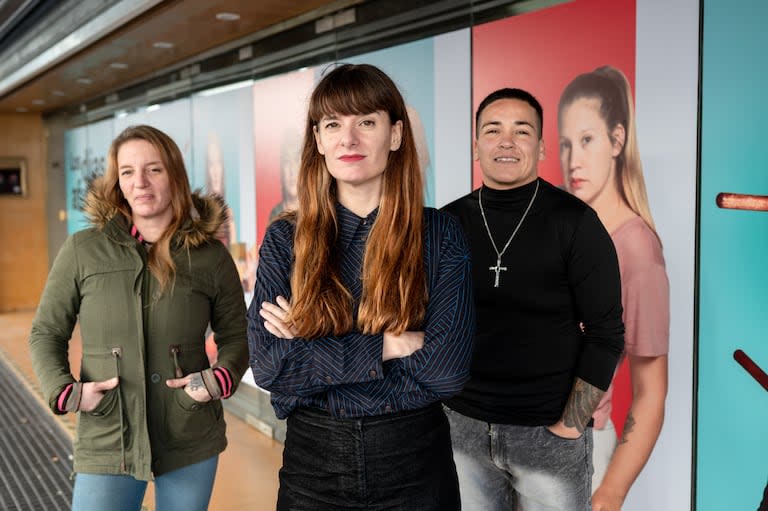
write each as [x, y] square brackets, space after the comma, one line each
[344, 375]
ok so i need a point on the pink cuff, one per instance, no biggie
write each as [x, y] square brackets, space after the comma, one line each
[225, 381]
[61, 403]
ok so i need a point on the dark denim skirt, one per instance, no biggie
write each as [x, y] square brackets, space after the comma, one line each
[400, 461]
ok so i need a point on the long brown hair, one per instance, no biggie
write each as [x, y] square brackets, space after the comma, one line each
[393, 278]
[611, 88]
[159, 261]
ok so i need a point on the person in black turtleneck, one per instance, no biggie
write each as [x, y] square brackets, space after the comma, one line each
[549, 329]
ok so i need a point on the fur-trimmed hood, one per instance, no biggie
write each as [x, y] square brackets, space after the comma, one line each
[205, 223]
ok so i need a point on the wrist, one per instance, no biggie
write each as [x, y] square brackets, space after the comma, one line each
[211, 383]
[391, 348]
[613, 489]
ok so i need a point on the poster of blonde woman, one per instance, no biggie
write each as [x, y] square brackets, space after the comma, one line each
[600, 161]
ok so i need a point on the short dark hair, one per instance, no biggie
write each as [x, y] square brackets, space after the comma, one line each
[508, 93]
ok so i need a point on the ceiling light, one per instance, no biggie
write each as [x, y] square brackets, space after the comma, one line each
[227, 16]
[58, 93]
[85, 81]
[152, 108]
[22, 110]
[118, 65]
[38, 102]
[163, 45]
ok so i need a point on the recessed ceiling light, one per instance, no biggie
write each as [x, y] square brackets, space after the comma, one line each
[152, 108]
[163, 44]
[58, 93]
[38, 102]
[227, 16]
[22, 110]
[118, 65]
[85, 81]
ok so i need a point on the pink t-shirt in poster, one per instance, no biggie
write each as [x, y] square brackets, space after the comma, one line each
[644, 296]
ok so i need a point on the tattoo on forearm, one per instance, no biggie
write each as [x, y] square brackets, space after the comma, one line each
[196, 383]
[629, 424]
[581, 405]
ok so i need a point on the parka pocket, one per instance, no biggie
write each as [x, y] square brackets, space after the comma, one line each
[187, 420]
[101, 429]
[99, 363]
[106, 405]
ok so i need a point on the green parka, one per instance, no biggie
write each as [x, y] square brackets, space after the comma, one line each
[100, 277]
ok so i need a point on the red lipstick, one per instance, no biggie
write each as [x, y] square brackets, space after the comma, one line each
[350, 158]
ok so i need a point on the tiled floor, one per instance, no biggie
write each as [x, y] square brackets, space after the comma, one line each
[247, 475]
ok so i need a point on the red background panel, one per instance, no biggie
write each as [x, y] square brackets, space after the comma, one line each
[542, 52]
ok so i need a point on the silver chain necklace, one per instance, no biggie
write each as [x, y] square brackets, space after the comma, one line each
[499, 268]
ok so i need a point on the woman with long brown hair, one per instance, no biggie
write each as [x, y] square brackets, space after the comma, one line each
[362, 317]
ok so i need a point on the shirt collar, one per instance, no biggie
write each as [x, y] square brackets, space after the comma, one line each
[350, 224]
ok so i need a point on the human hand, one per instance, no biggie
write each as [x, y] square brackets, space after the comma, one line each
[563, 431]
[93, 393]
[605, 500]
[193, 385]
[403, 345]
[276, 318]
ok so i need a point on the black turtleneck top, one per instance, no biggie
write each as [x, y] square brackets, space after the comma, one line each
[556, 314]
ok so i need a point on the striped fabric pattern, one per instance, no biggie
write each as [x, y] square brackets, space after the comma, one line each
[224, 380]
[344, 375]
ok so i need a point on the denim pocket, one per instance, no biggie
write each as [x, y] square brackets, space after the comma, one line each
[549, 433]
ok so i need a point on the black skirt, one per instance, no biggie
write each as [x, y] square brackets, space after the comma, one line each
[400, 461]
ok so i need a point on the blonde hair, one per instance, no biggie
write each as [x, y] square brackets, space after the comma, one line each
[394, 292]
[159, 261]
[611, 88]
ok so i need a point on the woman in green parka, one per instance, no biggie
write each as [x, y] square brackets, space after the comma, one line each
[144, 282]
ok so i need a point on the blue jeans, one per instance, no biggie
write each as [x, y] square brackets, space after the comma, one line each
[186, 489]
[523, 468]
[398, 461]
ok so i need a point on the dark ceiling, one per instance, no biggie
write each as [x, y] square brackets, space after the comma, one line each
[58, 53]
[87, 59]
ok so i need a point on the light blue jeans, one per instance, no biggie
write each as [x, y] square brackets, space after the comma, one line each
[185, 489]
[504, 467]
